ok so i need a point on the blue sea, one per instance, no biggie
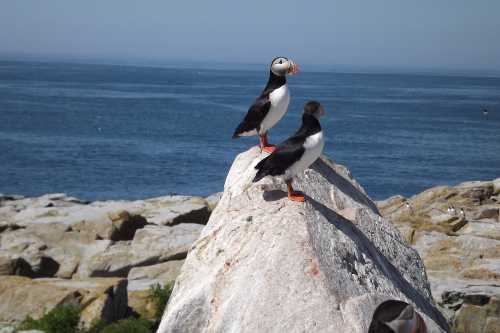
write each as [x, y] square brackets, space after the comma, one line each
[125, 132]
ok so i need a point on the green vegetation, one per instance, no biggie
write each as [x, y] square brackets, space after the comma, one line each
[159, 296]
[62, 319]
[129, 325]
[65, 318]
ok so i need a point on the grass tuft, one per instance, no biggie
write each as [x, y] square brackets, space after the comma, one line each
[129, 325]
[61, 319]
[160, 296]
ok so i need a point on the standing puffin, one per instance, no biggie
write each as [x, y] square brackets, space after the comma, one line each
[270, 106]
[396, 317]
[298, 152]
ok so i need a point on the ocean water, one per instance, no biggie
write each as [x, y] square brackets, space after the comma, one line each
[108, 132]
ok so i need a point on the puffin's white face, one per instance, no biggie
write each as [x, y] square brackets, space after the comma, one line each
[282, 66]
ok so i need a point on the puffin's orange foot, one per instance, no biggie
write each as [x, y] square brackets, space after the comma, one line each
[296, 197]
[269, 149]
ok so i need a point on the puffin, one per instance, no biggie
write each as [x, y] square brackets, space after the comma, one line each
[396, 317]
[462, 212]
[409, 207]
[296, 153]
[271, 105]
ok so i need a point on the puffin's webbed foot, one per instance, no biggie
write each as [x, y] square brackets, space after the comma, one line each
[296, 197]
[292, 195]
[268, 149]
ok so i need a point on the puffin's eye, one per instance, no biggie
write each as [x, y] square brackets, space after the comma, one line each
[281, 61]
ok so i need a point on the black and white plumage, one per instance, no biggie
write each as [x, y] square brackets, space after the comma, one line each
[271, 105]
[395, 316]
[298, 152]
[409, 207]
[452, 210]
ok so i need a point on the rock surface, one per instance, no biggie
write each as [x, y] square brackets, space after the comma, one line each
[56, 249]
[266, 264]
[461, 252]
[100, 299]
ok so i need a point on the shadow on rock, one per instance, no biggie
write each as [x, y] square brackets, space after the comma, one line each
[380, 261]
[346, 186]
[274, 195]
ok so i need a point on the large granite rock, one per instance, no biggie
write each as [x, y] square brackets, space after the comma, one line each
[461, 252]
[266, 264]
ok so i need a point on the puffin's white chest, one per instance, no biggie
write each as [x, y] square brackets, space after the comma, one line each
[280, 98]
[313, 147]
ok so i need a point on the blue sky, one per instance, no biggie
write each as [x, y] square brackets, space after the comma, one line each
[444, 34]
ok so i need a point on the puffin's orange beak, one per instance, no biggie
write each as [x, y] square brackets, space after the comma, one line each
[293, 68]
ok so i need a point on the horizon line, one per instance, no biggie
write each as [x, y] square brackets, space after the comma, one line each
[231, 65]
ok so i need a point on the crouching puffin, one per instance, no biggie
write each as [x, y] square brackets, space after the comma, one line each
[396, 317]
[298, 152]
[270, 106]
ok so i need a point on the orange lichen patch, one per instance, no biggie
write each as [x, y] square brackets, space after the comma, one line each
[444, 247]
[480, 273]
[442, 263]
[314, 269]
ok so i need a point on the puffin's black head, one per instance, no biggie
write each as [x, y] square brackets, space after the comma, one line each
[314, 109]
[282, 66]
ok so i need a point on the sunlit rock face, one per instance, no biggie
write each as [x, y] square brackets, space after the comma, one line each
[456, 231]
[267, 264]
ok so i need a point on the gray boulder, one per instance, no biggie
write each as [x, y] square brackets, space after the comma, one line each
[175, 209]
[165, 272]
[266, 264]
[151, 245]
[473, 305]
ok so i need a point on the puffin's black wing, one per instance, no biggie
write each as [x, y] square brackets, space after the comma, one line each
[254, 116]
[285, 155]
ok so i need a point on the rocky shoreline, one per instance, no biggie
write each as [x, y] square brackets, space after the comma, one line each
[104, 256]
[456, 231]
